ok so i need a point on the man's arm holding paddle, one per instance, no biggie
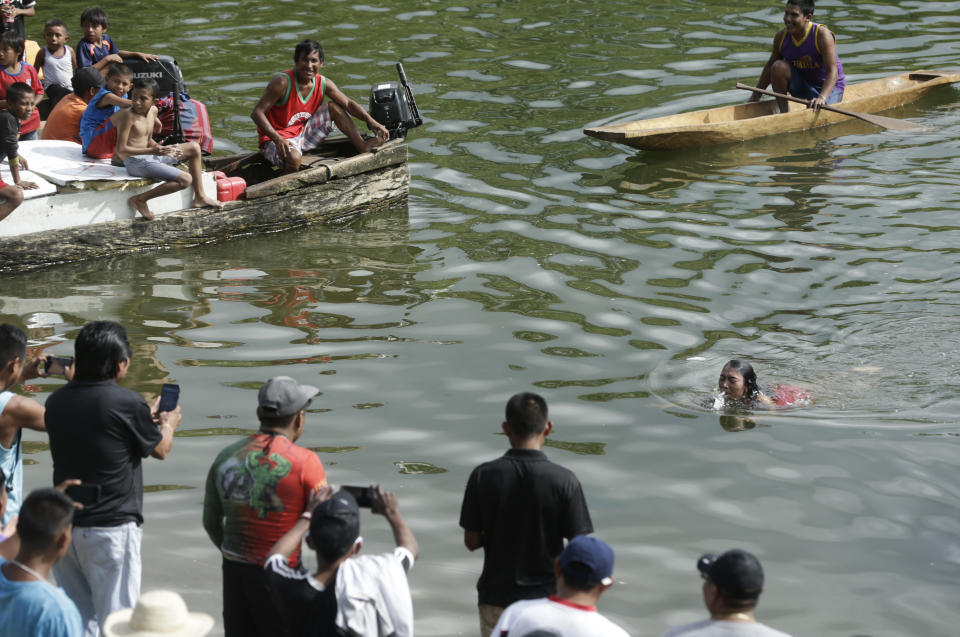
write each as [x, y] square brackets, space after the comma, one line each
[775, 55]
[827, 42]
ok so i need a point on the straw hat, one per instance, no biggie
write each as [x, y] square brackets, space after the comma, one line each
[158, 614]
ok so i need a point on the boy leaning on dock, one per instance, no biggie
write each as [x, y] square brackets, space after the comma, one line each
[20, 100]
[144, 157]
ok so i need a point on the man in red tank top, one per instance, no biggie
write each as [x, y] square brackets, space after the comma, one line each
[292, 117]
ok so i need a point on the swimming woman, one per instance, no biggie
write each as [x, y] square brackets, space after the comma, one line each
[738, 382]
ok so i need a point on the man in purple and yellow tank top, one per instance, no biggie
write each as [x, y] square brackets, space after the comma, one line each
[804, 60]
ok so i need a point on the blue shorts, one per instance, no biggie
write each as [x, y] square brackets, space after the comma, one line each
[800, 87]
[159, 167]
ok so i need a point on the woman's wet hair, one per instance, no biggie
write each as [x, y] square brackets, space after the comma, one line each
[749, 376]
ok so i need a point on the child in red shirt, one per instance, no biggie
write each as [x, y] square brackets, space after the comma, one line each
[11, 49]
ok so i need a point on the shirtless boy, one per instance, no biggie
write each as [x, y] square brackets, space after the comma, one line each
[804, 60]
[144, 157]
[291, 120]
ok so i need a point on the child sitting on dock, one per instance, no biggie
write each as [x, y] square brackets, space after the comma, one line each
[144, 157]
[97, 134]
[58, 62]
[20, 105]
[64, 120]
[13, 71]
[96, 48]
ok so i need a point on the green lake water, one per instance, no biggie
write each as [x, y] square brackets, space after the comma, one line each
[616, 283]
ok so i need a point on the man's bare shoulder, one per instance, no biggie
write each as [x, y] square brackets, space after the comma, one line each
[824, 34]
[19, 411]
[278, 83]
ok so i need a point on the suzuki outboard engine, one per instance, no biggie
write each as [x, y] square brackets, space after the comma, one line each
[392, 105]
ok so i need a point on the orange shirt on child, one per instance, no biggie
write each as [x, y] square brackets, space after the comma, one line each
[64, 120]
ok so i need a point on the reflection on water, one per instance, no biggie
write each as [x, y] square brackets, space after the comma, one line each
[582, 448]
[530, 257]
[342, 449]
[418, 468]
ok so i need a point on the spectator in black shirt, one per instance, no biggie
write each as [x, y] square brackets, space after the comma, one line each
[350, 594]
[99, 432]
[20, 101]
[519, 508]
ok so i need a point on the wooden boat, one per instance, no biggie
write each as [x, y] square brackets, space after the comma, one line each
[72, 224]
[757, 119]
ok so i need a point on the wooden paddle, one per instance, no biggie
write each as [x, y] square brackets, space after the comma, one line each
[878, 120]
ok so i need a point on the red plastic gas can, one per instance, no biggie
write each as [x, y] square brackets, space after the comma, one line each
[231, 188]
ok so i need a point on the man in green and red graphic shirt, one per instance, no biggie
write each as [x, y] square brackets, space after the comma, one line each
[256, 490]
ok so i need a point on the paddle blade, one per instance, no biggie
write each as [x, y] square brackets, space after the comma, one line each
[891, 123]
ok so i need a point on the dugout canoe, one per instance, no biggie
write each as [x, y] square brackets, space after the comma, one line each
[744, 121]
[332, 185]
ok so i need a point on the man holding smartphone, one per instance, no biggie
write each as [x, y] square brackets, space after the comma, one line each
[16, 413]
[99, 433]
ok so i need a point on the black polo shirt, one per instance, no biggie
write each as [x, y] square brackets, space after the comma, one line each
[99, 432]
[524, 506]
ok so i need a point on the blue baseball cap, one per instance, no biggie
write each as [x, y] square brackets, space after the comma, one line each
[587, 559]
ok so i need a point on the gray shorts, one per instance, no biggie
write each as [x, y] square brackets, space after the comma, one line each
[160, 167]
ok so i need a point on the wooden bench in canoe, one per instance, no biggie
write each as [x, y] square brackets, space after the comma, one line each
[332, 185]
[739, 122]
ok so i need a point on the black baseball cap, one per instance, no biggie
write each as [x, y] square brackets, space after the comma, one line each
[736, 573]
[335, 525]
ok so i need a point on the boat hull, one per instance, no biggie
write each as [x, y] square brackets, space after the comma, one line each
[740, 122]
[317, 195]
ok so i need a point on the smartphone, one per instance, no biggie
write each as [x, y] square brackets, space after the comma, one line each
[169, 396]
[363, 495]
[57, 365]
[85, 494]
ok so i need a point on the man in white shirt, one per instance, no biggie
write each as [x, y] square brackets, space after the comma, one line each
[584, 572]
[732, 584]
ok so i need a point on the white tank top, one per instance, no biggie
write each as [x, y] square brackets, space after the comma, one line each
[58, 70]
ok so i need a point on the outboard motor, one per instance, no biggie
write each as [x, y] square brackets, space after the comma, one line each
[392, 105]
[164, 70]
